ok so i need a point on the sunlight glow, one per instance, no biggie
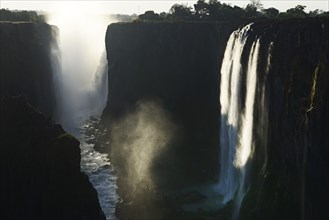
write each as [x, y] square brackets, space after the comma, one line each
[80, 21]
[82, 55]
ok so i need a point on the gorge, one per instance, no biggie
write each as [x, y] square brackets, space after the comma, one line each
[80, 76]
[201, 120]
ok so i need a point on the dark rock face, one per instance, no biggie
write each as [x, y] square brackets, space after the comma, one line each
[25, 63]
[178, 64]
[291, 170]
[40, 168]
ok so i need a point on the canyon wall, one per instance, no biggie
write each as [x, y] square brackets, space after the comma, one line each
[39, 161]
[177, 65]
[25, 63]
[40, 168]
[290, 164]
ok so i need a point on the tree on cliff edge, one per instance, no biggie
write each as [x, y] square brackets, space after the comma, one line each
[298, 11]
[180, 12]
[253, 9]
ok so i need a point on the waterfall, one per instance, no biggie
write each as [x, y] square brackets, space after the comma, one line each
[229, 101]
[236, 129]
[245, 146]
[263, 108]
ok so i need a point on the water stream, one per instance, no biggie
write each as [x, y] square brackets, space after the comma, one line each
[98, 167]
[80, 67]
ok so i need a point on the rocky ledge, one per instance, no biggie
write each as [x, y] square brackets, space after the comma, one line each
[40, 168]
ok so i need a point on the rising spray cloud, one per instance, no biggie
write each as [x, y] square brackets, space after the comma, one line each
[139, 138]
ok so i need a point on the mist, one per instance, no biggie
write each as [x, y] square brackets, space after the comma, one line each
[139, 138]
[81, 70]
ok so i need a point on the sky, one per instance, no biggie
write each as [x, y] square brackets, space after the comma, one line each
[138, 7]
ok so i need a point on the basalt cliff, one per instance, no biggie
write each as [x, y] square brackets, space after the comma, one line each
[39, 161]
[26, 67]
[177, 66]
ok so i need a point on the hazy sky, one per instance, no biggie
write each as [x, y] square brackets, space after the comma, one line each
[136, 6]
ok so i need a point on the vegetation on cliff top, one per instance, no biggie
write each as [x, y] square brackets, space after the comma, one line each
[30, 16]
[214, 10]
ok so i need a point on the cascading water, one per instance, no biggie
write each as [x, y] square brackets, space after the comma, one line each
[245, 146]
[80, 67]
[236, 131]
[229, 101]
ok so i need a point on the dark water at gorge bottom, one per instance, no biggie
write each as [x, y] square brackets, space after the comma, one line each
[98, 167]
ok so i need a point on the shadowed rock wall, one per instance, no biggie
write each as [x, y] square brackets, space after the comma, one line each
[40, 168]
[290, 173]
[25, 63]
[178, 64]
